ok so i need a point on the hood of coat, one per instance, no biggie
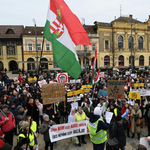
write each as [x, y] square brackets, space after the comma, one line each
[94, 118]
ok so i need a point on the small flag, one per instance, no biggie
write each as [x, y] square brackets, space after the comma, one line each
[97, 77]
[115, 69]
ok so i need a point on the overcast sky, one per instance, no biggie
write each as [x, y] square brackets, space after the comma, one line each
[22, 12]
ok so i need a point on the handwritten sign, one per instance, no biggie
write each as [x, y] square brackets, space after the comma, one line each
[134, 95]
[52, 93]
[42, 83]
[78, 92]
[115, 89]
[138, 84]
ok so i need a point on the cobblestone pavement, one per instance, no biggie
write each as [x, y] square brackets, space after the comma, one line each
[67, 144]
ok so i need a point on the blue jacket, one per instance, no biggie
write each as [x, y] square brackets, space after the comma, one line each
[13, 110]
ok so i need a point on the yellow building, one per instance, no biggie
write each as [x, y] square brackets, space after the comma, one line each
[10, 47]
[29, 49]
[115, 42]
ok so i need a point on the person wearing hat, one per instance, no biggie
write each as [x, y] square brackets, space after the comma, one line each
[80, 115]
[44, 129]
[97, 128]
[26, 132]
[22, 145]
[88, 109]
[7, 123]
[118, 131]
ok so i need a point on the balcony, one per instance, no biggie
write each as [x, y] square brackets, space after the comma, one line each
[82, 52]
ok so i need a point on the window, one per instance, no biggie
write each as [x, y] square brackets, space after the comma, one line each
[140, 43]
[85, 47]
[10, 51]
[29, 47]
[93, 47]
[39, 47]
[106, 61]
[130, 42]
[106, 44]
[121, 61]
[47, 47]
[120, 42]
[141, 60]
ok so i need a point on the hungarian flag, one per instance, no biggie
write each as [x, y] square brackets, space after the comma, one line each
[65, 32]
[97, 77]
[129, 84]
[93, 67]
[115, 69]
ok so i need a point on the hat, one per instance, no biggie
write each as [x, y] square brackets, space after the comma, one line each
[4, 106]
[0, 82]
[9, 100]
[24, 124]
[23, 141]
[27, 85]
[45, 116]
[118, 118]
[48, 105]
[18, 107]
[102, 99]
[12, 103]
[98, 111]
[123, 100]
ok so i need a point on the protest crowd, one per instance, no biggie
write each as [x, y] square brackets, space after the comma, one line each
[23, 113]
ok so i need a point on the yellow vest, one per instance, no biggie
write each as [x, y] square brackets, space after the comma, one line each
[79, 118]
[31, 138]
[33, 127]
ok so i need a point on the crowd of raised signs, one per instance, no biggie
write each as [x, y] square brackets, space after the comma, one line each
[21, 101]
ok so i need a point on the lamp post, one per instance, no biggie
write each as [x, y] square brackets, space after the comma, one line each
[36, 46]
[131, 48]
[85, 51]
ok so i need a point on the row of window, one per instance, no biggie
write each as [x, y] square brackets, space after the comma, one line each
[130, 42]
[39, 47]
[121, 61]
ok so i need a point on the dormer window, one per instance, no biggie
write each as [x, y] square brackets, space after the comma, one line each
[10, 31]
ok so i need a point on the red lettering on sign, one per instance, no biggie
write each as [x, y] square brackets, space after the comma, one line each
[82, 124]
[118, 96]
[67, 127]
[61, 128]
[74, 126]
[53, 129]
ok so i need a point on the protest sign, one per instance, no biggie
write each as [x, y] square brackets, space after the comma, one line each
[78, 92]
[134, 95]
[62, 77]
[138, 84]
[143, 92]
[52, 93]
[133, 75]
[75, 81]
[86, 86]
[32, 80]
[144, 142]
[71, 99]
[127, 73]
[101, 74]
[42, 83]
[109, 116]
[115, 89]
[63, 131]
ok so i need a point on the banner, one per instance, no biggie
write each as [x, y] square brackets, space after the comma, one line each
[42, 83]
[86, 86]
[52, 93]
[78, 92]
[32, 80]
[67, 130]
[115, 89]
[75, 81]
[133, 95]
[138, 84]
[71, 99]
[101, 74]
[62, 77]
[143, 92]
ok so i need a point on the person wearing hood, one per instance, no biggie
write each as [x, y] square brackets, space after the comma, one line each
[44, 128]
[97, 128]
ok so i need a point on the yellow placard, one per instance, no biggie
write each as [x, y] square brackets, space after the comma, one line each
[134, 95]
[86, 86]
[138, 84]
[69, 94]
[86, 90]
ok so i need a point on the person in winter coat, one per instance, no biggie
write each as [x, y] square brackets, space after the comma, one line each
[88, 109]
[119, 131]
[97, 128]
[135, 114]
[16, 98]
[1, 137]
[148, 115]
[127, 109]
[13, 109]
[22, 145]
[7, 123]
[43, 129]
[33, 110]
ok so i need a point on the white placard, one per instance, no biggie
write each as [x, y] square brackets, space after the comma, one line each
[62, 77]
[144, 142]
[42, 83]
[143, 92]
[67, 130]
[109, 116]
[71, 99]
[134, 75]
[75, 81]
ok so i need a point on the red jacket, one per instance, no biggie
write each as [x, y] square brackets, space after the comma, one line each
[9, 125]
[1, 143]
[20, 78]
[123, 111]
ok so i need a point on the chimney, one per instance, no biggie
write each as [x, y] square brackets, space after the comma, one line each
[130, 16]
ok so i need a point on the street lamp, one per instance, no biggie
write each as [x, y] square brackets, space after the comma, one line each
[131, 48]
[36, 46]
[85, 51]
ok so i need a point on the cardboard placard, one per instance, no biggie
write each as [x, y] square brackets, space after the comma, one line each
[52, 93]
[134, 95]
[115, 89]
